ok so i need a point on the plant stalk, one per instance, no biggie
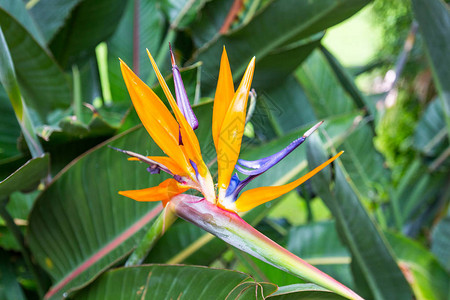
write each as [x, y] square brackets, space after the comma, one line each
[229, 227]
[164, 221]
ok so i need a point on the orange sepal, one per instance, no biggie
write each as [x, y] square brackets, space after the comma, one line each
[190, 140]
[232, 130]
[163, 192]
[224, 96]
[155, 117]
[254, 197]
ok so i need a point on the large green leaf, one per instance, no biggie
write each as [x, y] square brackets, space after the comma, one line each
[175, 282]
[303, 291]
[318, 243]
[259, 37]
[433, 17]
[43, 84]
[364, 164]
[19, 12]
[286, 106]
[181, 12]
[80, 225]
[90, 23]
[26, 177]
[9, 130]
[121, 43]
[51, 15]
[441, 242]
[320, 81]
[326, 95]
[275, 66]
[371, 255]
[10, 288]
[431, 136]
[427, 278]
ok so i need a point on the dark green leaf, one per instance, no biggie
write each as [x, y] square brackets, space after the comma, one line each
[175, 282]
[181, 12]
[370, 253]
[96, 226]
[433, 17]
[10, 288]
[90, 23]
[319, 245]
[324, 92]
[364, 164]
[441, 242]
[22, 15]
[9, 130]
[272, 69]
[348, 83]
[431, 135]
[304, 291]
[51, 15]
[120, 45]
[259, 37]
[26, 177]
[43, 84]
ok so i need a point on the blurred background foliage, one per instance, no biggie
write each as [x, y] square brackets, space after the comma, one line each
[376, 72]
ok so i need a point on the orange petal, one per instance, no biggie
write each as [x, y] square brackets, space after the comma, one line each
[163, 192]
[155, 117]
[168, 162]
[191, 146]
[190, 140]
[231, 131]
[224, 96]
[254, 197]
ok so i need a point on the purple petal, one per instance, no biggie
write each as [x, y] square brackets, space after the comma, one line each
[234, 183]
[261, 165]
[194, 165]
[180, 93]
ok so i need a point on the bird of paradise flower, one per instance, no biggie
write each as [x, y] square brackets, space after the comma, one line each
[215, 212]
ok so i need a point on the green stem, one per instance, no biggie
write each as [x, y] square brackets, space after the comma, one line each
[233, 230]
[18, 236]
[164, 221]
[77, 105]
[101, 52]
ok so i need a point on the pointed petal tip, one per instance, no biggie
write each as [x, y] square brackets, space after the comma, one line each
[312, 129]
[172, 57]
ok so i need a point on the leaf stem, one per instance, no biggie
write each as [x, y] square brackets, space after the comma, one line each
[164, 221]
[77, 93]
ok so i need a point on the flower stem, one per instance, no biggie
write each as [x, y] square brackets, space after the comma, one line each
[232, 229]
[164, 221]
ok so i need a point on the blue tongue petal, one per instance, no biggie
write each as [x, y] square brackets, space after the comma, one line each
[259, 166]
[254, 168]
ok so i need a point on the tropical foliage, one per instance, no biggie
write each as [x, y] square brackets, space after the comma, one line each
[376, 220]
